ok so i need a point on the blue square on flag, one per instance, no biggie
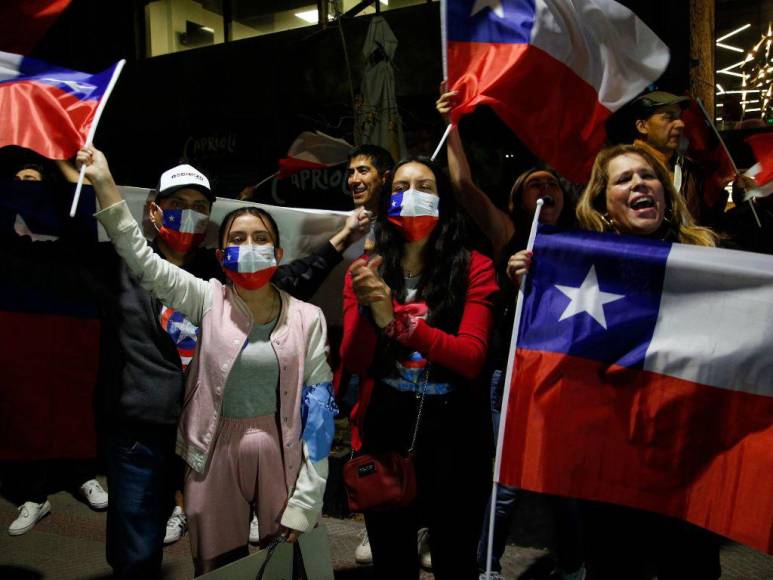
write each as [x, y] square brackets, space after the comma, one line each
[491, 21]
[591, 302]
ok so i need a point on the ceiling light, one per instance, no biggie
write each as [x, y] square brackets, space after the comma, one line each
[727, 46]
[736, 31]
[310, 16]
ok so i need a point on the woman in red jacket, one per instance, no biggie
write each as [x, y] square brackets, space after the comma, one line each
[417, 318]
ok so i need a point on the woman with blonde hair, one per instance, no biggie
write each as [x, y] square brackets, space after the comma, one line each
[601, 206]
[630, 192]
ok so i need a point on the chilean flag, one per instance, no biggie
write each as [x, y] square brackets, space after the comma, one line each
[416, 215]
[185, 228]
[762, 147]
[553, 70]
[47, 108]
[644, 377]
[182, 331]
[313, 150]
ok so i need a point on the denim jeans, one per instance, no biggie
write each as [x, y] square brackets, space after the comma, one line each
[141, 479]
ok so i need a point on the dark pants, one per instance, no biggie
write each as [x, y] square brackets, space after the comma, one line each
[624, 542]
[141, 478]
[33, 480]
[453, 470]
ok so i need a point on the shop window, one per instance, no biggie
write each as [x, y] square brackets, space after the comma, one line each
[175, 25]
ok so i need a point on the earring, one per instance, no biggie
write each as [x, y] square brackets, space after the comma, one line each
[668, 216]
[608, 223]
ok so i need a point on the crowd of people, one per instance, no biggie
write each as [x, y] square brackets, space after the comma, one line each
[223, 397]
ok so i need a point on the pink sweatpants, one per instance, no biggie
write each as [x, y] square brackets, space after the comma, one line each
[246, 468]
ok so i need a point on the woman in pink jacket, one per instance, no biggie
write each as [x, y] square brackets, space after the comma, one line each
[257, 420]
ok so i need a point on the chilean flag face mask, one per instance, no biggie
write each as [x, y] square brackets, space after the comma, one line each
[250, 267]
[414, 213]
[183, 229]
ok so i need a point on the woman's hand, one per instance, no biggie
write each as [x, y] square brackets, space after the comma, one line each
[446, 102]
[518, 265]
[98, 173]
[290, 535]
[97, 169]
[371, 290]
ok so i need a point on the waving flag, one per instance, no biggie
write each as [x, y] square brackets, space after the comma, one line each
[23, 23]
[47, 108]
[553, 70]
[50, 339]
[644, 377]
[313, 150]
[762, 171]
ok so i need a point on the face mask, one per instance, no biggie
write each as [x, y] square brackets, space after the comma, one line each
[250, 267]
[414, 213]
[183, 229]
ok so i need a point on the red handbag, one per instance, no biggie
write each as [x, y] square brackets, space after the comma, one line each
[380, 481]
[383, 481]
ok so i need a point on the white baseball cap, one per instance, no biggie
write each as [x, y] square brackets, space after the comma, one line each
[184, 176]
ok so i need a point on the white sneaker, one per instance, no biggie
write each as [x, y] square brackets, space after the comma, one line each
[492, 576]
[93, 493]
[254, 531]
[362, 553]
[425, 558]
[176, 526]
[29, 514]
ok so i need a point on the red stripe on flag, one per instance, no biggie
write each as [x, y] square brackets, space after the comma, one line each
[582, 429]
[552, 110]
[44, 118]
[762, 146]
[24, 24]
[291, 165]
[47, 386]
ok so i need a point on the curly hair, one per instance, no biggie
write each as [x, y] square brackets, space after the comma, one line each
[592, 205]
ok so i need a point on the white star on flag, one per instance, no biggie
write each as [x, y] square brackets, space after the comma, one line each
[588, 298]
[186, 328]
[494, 5]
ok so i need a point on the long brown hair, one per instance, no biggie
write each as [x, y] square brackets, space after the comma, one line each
[592, 205]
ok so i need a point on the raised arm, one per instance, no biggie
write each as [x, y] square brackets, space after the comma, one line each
[303, 276]
[174, 286]
[491, 220]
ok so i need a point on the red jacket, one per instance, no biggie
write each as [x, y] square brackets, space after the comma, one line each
[464, 353]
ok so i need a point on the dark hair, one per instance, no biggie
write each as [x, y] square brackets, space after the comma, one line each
[521, 219]
[379, 157]
[443, 283]
[261, 214]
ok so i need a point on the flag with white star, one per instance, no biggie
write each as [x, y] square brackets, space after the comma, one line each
[643, 376]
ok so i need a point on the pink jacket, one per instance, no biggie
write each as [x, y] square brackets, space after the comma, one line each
[299, 340]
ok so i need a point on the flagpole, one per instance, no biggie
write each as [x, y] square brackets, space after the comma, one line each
[719, 137]
[443, 38]
[508, 383]
[100, 107]
[442, 141]
[266, 180]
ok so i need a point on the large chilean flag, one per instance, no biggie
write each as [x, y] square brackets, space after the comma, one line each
[47, 108]
[553, 70]
[644, 377]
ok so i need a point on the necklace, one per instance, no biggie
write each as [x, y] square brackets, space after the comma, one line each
[274, 303]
